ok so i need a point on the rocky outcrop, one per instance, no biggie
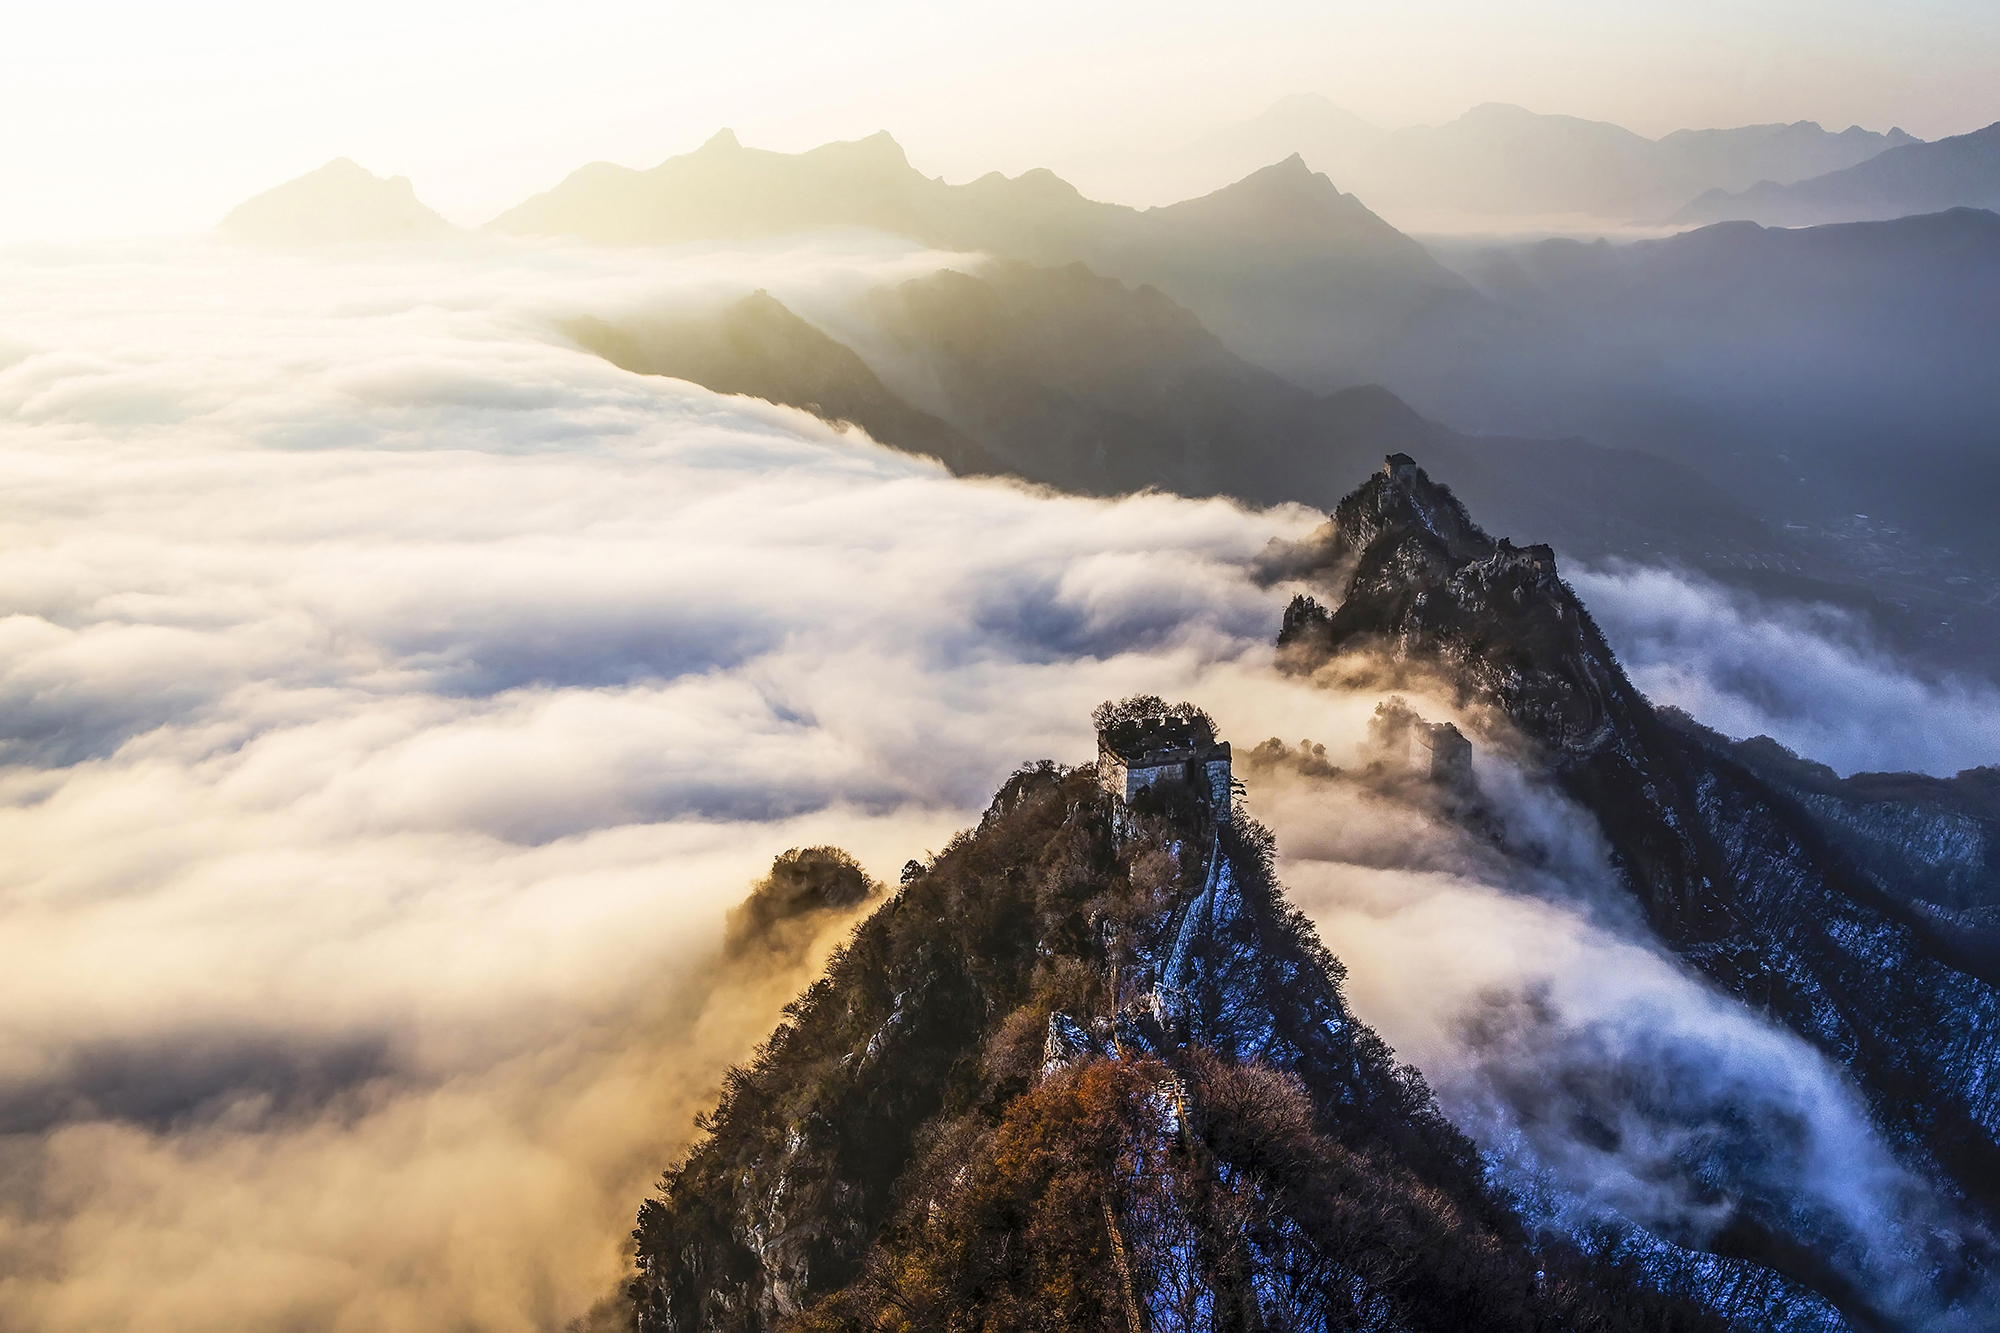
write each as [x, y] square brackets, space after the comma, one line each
[1732, 871]
[987, 1114]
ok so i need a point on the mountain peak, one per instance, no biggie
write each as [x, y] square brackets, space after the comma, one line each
[339, 202]
[878, 150]
[1401, 498]
[1083, 1062]
[1726, 865]
[1289, 176]
[1416, 578]
[723, 140]
[1499, 111]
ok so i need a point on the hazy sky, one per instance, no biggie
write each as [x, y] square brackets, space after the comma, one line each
[140, 118]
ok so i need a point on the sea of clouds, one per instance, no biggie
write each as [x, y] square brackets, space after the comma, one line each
[394, 698]
[1602, 1080]
[1812, 676]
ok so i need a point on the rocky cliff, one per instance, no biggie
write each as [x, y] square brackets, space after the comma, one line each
[1756, 880]
[1087, 1069]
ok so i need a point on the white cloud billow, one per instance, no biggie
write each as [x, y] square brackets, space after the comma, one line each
[1810, 676]
[392, 699]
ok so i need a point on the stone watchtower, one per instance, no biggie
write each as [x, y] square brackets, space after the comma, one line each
[1145, 742]
[1401, 469]
[1407, 743]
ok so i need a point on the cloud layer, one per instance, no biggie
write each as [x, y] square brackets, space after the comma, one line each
[1810, 676]
[395, 699]
[1602, 1081]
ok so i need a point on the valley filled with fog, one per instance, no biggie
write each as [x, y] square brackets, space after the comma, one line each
[793, 669]
[398, 694]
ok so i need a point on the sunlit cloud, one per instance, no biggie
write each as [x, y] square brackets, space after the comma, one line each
[397, 697]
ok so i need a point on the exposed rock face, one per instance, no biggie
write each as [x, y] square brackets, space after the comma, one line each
[984, 1117]
[806, 886]
[1733, 871]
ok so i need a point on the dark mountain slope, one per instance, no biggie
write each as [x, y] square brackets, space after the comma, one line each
[1296, 275]
[1056, 369]
[1731, 872]
[1930, 844]
[1078, 381]
[1960, 172]
[759, 348]
[1087, 1069]
[1073, 380]
[1818, 374]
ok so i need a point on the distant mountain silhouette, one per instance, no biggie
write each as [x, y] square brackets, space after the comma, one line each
[1502, 160]
[1262, 262]
[1777, 362]
[759, 348]
[1810, 375]
[1070, 379]
[1962, 171]
[339, 202]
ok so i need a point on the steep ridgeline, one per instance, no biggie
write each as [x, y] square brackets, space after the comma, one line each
[1960, 172]
[1087, 1069]
[1282, 265]
[1078, 381]
[1784, 887]
[1497, 160]
[1932, 844]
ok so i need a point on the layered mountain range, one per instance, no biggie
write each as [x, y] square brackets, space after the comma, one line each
[1773, 363]
[1959, 172]
[1800, 412]
[1067, 378]
[1259, 262]
[1077, 381]
[1498, 162]
[1088, 1067]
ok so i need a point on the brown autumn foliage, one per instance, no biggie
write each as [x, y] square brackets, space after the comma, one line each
[895, 1157]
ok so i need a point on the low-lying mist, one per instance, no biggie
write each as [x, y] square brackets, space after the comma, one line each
[1809, 675]
[1489, 942]
[397, 698]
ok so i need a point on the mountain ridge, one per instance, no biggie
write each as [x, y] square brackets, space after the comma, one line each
[979, 1117]
[1962, 171]
[1089, 1067]
[1501, 160]
[341, 202]
[1259, 261]
[1730, 872]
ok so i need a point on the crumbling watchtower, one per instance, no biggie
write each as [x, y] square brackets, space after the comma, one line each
[1146, 742]
[1435, 750]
